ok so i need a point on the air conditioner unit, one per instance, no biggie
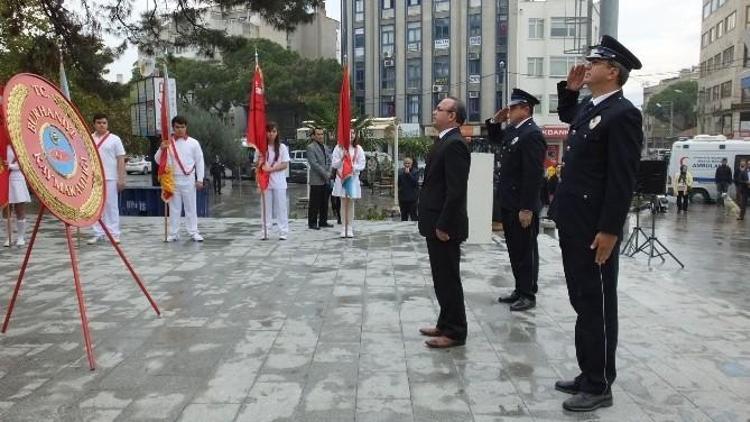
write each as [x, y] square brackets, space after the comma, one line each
[474, 55]
[389, 63]
[473, 94]
[437, 88]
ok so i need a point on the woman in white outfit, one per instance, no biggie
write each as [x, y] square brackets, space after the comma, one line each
[18, 196]
[357, 155]
[276, 163]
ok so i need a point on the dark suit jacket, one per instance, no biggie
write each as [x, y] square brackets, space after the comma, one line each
[600, 164]
[408, 185]
[521, 164]
[442, 199]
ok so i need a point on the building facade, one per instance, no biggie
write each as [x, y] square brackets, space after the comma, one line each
[722, 109]
[406, 55]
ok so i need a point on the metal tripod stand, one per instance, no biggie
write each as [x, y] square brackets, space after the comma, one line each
[652, 246]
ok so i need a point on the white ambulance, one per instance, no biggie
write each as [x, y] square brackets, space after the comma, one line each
[702, 155]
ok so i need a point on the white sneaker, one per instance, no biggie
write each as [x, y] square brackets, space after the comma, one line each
[343, 234]
[350, 232]
[93, 240]
[197, 238]
[21, 241]
[282, 237]
[7, 243]
[173, 238]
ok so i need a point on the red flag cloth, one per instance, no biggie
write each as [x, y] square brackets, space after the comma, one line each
[4, 170]
[256, 125]
[166, 178]
[343, 131]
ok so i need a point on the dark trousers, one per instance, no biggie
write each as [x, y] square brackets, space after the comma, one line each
[408, 210]
[217, 184]
[721, 188]
[317, 207]
[682, 201]
[445, 260]
[523, 252]
[336, 207]
[742, 200]
[592, 290]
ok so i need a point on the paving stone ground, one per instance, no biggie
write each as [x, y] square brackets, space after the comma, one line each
[318, 328]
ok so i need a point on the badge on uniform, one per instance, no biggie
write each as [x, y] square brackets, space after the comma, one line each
[595, 121]
[513, 142]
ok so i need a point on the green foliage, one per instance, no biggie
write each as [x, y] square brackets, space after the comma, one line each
[414, 147]
[684, 103]
[215, 137]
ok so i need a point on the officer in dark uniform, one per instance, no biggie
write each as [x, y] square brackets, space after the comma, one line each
[590, 207]
[521, 178]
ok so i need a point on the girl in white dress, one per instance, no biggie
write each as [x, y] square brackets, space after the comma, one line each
[276, 163]
[18, 196]
[357, 155]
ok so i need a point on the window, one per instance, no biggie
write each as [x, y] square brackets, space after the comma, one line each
[475, 3]
[359, 10]
[499, 101]
[717, 61]
[553, 104]
[442, 5]
[536, 28]
[387, 106]
[747, 17]
[538, 107]
[559, 66]
[706, 10]
[711, 35]
[472, 109]
[414, 36]
[412, 108]
[715, 93]
[414, 73]
[414, 2]
[359, 104]
[728, 57]
[502, 30]
[359, 42]
[719, 29]
[535, 66]
[704, 39]
[387, 4]
[388, 77]
[442, 28]
[475, 67]
[567, 27]
[359, 76]
[730, 22]
[726, 89]
[475, 25]
[441, 70]
[387, 39]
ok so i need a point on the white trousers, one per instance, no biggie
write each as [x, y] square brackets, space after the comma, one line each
[111, 211]
[276, 211]
[184, 195]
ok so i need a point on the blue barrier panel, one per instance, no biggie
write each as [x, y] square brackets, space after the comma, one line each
[146, 201]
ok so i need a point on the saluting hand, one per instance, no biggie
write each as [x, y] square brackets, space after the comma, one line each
[603, 244]
[502, 115]
[575, 77]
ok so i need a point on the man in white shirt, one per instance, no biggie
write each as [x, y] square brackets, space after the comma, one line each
[112, 154]
[185, 159]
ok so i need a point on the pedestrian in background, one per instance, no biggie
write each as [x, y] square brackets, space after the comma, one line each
[723, 179]
[319, 159]
[408, 190]
[683, 182]
[217, 172]
[741, 182]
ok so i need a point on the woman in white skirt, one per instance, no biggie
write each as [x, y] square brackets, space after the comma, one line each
[276, 163]
[18, 196]
[348, 196]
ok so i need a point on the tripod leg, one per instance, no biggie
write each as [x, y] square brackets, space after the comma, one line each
[668, 252]
[81, 301]
[130, 268]
[23, 269]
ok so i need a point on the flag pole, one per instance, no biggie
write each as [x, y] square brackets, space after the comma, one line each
[7, 208]
[166, 216]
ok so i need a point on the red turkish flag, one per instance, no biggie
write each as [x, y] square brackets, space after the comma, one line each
[4, 170]
[256, 125]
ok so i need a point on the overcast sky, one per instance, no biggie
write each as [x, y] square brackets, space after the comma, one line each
[664, 34]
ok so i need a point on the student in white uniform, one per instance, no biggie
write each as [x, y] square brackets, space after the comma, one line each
[18, 196]
[112, 154]
[276, 163]
[186, 161]
[357, 155]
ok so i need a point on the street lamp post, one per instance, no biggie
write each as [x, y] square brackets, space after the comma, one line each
[503, 74]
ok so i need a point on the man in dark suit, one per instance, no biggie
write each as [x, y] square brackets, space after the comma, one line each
[521, 178]
[590, 207]
[319, 159]
[444, 223]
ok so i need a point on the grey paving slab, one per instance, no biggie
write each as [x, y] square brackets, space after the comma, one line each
[320, 329]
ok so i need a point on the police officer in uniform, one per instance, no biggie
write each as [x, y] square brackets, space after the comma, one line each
[521, 177]
[590, 207]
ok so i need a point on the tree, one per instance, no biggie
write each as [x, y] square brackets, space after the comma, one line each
[215, 137]
[682, 96]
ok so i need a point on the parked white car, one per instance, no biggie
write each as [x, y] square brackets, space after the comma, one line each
[137, 164]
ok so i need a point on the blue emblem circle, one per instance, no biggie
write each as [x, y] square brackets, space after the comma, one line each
[59, 152]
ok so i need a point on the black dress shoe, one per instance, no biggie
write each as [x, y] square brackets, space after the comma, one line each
[523, 304]
[587, 402]
[326, 225]
[511, 298]
[313, 227]
[569, 387]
